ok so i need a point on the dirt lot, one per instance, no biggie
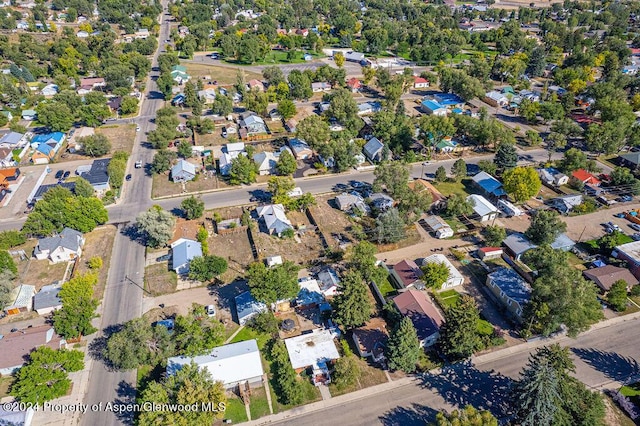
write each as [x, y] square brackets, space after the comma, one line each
[159, 280]
[308, 249]
[121, 137]
[236, 249]
[163, 186]
[98, 243]
[224, 76]
[330, 220]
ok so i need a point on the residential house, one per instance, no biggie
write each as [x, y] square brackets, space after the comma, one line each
[455, 277]
[291, 125]
[46, 146]
[406, 274]
[374, 150]
[42, 189]
[247, 307]
[366, 108]
[431, 107]
[560, 91]
[630, 253]
[9, 176]
[315, 350]
[321, 86]
[16, 346]
[7, 114]
[47, 299]
[449, 100]
[488, 253]
[328, 282]
[309, 295]
[371, 339]
[420, 83]
[512, 291]
[63, 247]
[252, 125]
[419, 185]
[446, 145]
[566, 203]
[605, 276]
[274, 218]
[274, 115]
[381, 201]
[142, 33]
[508, 208]
[235, 364]
[22, 297]
[97, 175]
[425, 316]
[6, 157]
[179, 74]
[89, 84]
[518, 244]
[491, 186]
[563, 242]
[49, 91]
[229, 152]
[585, 177]
[300, 149]
[256, 84]
[352, 56]
[183, 250]
[266, 162]
[346, 201]
[208, 95]
[482, 208]
[114, 103]
[631, 160]
[82, 34]
[496, 99]
[183, 171]
[553, 177]
[354, 85]
[29, 115]
[439, 227]
[43, 154]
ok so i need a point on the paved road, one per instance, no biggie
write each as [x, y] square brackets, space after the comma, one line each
[603, 358]
[123, 297]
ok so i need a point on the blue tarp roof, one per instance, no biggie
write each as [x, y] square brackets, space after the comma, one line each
[598, 264]
[432, 105]
[489, 184]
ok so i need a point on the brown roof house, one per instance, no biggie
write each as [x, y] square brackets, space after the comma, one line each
[424, 315]
[606, 275]
[15, 347]
[407, 274]
[371, 339]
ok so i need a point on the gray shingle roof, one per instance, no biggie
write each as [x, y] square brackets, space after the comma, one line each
[68, 238]
[47, 297]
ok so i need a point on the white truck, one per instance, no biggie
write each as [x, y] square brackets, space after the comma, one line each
[138, 164]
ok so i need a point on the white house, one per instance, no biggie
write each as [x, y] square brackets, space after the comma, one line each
[274, 218]
[455, 277]
[234, 364]
[496, 99]
[328, 281]
[313, 350]
[63, 247]
[482, 208]
[439, 227]
[47, 300]
[183, 251]
[266, 161]
[183, 171]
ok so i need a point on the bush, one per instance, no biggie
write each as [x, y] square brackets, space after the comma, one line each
[288, 233]
[95, 262]
[458, 254]
[10, 239]
[265, 322]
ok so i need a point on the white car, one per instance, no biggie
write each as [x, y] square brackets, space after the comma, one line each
[137, 128]
[211, 310]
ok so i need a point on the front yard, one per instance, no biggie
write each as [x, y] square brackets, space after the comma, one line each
[158, 279]
[99, 243]
[369, 376]
[164, 187]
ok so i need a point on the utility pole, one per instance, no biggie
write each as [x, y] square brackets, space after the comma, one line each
[137, 285]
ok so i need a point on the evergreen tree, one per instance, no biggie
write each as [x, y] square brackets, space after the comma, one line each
[459, 336]
[537, 393]
[459, 169]
[285, 380]
[506, 156]
[352, 303]
[403, 348]
[617, 296]
[545, 227]
[441, 174]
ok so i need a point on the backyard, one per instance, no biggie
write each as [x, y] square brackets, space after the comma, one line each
[38, 272]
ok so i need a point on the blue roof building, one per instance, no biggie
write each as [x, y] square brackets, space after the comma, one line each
[55, 138]
[448, 99]
[490, 185]
[373, 150]
[433, 107]
[247, 307]
[183, 251]
[510, 289]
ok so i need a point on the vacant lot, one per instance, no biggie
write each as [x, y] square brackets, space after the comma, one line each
[225, 76]
[236, 249]
[98, 244]
[462, 188]
[369, 376]
[211, 139]
[121, 136]
[159, 280]
[163, 186]
[302, 249]
[412, 237]
[330, 220]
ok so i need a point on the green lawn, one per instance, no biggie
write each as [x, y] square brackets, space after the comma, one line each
[455, 224]
[5, 385]
[386, 288]
[462, 188]
[248, 334]
[449, 298]
[279, 57]
[259, 406]
[235, 410]
[309, 394]
[484, 327]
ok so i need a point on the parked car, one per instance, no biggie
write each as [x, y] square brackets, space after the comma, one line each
[59, 174]
[625, 199]
[128, 177]
[211, 310]
[66, 174]
[138, 164]
[635, 227]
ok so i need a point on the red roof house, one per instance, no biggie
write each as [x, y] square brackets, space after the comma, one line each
[354, 84]
[406, 273]
[585, 177]
[424, 315]
[420, 83]
[489, 252]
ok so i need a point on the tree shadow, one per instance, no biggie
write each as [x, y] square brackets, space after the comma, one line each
[226, 294]
[126, 395]
[611, 364]
[98, 346]
[417, 415]
[462, 384]
[133, 233]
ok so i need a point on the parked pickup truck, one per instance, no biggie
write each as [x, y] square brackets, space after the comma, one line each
[138, 164]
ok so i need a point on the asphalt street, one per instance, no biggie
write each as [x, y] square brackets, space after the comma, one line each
[603, 359]
[123, 293]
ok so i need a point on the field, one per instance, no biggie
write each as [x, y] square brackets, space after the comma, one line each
[412, 237]
[98, 243]
[330, 220]
[224, 75]
[462, 188]
[280, 57]
[159, 280]
[308, 249]
[236, 249]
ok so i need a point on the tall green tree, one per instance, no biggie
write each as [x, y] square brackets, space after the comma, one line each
[506, 156]
[389, 227]
[435, 274]
[95, 145]
[537, 393]
[617, 296]
[468, 416]
[269, 285]
[286, 164]
[441, 174]
[459, 337]
[403, 348]
[353, 306]
[189, 385]
[83, 188]
[457, 205]
[494, 235]
[314, 130]
[346, 372]
[285, 380]
[192, 207]
[521, 183]
[243, 171]
[206, 268]
[459, 169]
[545, 227]
[196, 333]
[162, 161]
[138, 343]
[156, 226]
[57, 116]
[78, 307]
[7, 263]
